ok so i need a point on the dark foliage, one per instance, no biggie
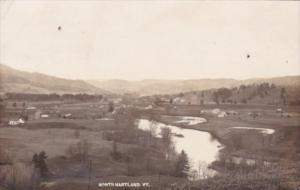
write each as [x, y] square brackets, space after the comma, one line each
[39, 161]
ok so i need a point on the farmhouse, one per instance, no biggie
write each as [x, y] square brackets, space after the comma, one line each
[179, 100]
[222, 114]
[68, 115]
[31, 108]
[279, 110]
[44, 116]
[16, 122]
[149, 107]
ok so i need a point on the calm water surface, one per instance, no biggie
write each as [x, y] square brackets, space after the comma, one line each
[200, 147]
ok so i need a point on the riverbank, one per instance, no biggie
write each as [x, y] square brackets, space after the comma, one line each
[216, 133]
[253, 157]
[229, 130]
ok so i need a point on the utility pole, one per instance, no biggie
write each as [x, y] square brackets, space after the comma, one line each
[159, 179]
[90, 174]
[13, 175]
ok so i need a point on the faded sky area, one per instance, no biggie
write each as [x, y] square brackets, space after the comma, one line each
[151, 39]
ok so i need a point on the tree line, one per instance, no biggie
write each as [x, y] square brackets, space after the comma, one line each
[54, 96]
[246, 93]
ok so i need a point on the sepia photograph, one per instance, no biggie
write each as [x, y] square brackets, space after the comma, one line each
[149, 95]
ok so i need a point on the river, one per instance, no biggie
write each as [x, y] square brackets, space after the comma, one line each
[201, 148]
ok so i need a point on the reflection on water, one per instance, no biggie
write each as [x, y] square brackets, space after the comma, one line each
[192, 120]
[263, 130]
[198, 145]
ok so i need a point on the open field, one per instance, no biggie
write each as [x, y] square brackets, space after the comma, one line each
[71, 144]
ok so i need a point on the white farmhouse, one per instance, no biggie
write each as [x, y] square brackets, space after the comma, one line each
[16, 122]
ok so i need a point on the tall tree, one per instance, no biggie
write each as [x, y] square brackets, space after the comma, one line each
[2, 110]
[283, 95]
[111, 107]
[39, 161]
[182, 166]
[166, 135]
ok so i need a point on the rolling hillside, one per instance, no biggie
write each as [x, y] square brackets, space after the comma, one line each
[12, 80]
[151, 87]
[264, 94]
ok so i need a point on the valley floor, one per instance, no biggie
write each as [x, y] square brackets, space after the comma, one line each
[84, 152]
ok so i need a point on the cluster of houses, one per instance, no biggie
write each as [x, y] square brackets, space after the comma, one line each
[219, 113]
[282, 113]
[21, 116]
[33, 113]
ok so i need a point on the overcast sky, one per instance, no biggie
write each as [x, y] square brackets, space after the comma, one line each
[151, 39]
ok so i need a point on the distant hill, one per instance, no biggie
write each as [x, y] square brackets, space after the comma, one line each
[263, 93]
[151, 87]
[12, 80]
